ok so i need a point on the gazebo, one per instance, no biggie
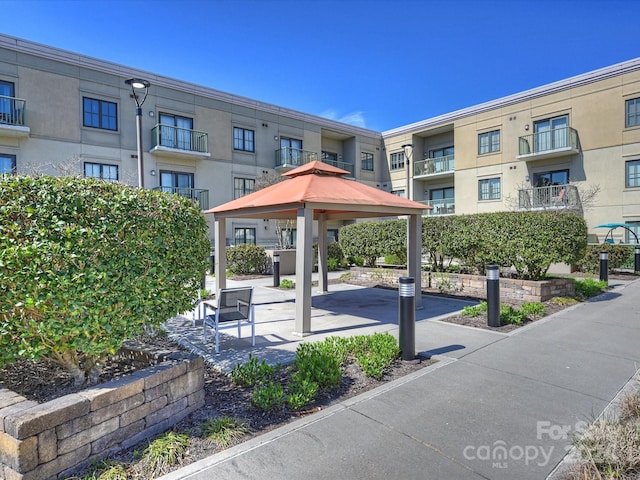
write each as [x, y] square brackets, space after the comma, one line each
[318, 191]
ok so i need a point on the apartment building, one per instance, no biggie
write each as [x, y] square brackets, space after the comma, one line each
[572, 145]
[64, 113]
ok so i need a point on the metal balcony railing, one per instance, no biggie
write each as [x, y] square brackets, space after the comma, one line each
[200, 196]
[294, 157]
[179, 138]
[564, 138]
[442, 206]
[551, 197]
[13, 111]
[343, 165]
[430, 166]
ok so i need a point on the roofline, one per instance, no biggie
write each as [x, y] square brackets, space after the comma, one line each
[72, 58]
[555, 87]
[76, 59]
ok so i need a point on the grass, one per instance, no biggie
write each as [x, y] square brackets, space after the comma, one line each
[223, 431]
[166, 451]
[610, 449]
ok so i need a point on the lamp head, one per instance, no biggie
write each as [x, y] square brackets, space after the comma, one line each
[137, 83]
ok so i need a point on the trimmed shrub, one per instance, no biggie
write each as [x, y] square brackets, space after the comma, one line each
[86, 264]
[371, 240]
[246, 259]
[620, 256]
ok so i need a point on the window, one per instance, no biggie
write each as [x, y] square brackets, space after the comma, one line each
[366, 161]
[397, 160]
[100, 114]
[489, 142]
[175, 131]
[100, 170]
[243, 186]
[633, 112]
[332, 235]
[551, 133]
[7, 102]
[632, 174]
[554, 177]
[243, 139]
[177, 182]
[635, 228]
[441, 152]
[330, 158]
[290, 151]
[7, 164]
[489, 189]
[244, 235]
[398, 193]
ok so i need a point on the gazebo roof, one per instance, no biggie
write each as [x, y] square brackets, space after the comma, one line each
[322, 187]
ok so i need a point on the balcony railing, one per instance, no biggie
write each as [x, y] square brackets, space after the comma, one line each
[179, 139]
[294, 157]
[551, 197]
[13, 111]
[201, 197]
[431, 166]
[343, 165]
[442, 206]
[558, 140]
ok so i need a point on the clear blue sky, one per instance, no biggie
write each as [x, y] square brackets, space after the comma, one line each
[380, 64]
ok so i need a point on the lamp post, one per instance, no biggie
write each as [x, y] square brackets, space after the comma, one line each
[408, 149]
[137, 85]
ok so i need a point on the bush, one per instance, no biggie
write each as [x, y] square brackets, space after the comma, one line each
[246, 259]
[268, 396]
[318, 363]
[371, 240]
[252, 372]
[86, 264]
[620, 256]
[588, 287]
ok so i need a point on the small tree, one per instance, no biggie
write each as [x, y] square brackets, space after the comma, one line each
[284, 228]
[87, 264]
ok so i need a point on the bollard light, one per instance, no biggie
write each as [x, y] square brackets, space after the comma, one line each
[276, 270]
[637, 262]
[407, 317]
[493, 295]
[604, 267]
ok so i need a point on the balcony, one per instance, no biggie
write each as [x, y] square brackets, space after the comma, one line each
[201, 197]
[434, 167]
[288, 158]
[13, 114]
[176, 142]
[442, 206]
[343, 165]
[558, 142]
[553, 197]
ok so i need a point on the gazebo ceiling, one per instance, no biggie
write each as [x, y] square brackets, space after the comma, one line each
[323, 188]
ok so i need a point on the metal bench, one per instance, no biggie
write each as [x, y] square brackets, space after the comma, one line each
[231, 305]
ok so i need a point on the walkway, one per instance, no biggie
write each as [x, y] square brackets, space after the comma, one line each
[496, 406]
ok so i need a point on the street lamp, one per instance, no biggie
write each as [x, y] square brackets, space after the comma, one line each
[408, 149]
[137, 85]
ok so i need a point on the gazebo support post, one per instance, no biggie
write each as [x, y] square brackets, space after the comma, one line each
[414, 254]
[304, 266]
[220, 232]
[322, 253]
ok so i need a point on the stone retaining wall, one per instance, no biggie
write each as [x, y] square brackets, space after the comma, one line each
[40, 441]
[471, 285]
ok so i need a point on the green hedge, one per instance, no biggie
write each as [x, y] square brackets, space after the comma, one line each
[371, 240]
[620, 256]
[528, 241]
[247, 258]
[87, 264]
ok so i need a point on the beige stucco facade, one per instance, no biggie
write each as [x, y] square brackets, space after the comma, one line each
[522, 167]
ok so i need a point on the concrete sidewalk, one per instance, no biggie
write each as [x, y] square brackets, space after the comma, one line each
[496, 406]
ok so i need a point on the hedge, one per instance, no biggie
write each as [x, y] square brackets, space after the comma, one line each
[371, 240]
[86, 264]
